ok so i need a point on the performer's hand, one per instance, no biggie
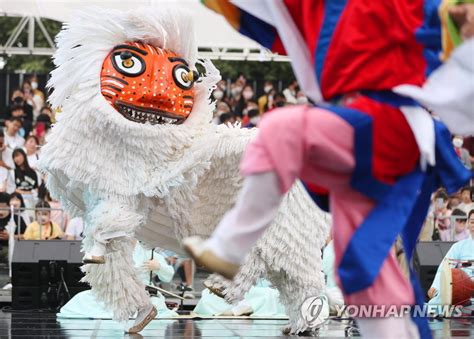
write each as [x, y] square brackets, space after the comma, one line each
[463, 16]
[151, 265]
[431, 292]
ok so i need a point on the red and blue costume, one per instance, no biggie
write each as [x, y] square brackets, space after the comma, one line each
[366, 48]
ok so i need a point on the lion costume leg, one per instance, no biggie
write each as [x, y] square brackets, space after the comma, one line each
[116, 282]
[315, 145]
[288, 255]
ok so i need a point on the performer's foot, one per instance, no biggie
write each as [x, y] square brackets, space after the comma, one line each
[217, 290]
[204, 257]
[144, 316]
[92, 259]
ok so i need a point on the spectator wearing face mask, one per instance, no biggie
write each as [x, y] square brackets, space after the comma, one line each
[241, 103]
[290, 92]
[462, 153]
[37, 96]
[236, 89]
[218, 94]
[43, 228]
[248, 93]
[18, 99]
[263, 101]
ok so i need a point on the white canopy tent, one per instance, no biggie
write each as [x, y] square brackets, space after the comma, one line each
[215, 37]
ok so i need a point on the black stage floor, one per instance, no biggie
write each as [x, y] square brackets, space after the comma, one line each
[46, 325]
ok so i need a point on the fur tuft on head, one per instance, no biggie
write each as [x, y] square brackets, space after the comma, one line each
[84, 43]
[90, 134]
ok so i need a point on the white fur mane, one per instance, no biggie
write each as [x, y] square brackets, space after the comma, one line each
[92, 144]
[84, 42]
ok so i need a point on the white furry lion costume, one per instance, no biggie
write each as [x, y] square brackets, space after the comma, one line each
[159, 182]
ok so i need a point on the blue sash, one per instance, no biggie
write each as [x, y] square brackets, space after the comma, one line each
[401, 208]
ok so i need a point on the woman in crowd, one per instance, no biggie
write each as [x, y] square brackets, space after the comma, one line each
[32, 151]
[18, 204]
[28, 95]
[37, 95]
[241, 103]
[43, 228]
[6, 217]
[26, 178]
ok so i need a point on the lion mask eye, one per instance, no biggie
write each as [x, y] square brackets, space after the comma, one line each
[128, 63]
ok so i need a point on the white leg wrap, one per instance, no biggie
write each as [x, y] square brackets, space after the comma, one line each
[256, 207]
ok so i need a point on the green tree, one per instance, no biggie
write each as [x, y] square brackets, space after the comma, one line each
[255, 70]
[28, 63]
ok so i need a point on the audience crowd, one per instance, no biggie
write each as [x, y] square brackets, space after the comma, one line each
[26, 203]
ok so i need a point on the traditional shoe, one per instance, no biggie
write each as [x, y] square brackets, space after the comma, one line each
[214, 290]
[93, 260]
[144, 317]
[194, 246]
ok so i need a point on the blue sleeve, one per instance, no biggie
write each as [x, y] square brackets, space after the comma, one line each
[429, 35]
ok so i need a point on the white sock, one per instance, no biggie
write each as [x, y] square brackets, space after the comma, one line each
[256, 207]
